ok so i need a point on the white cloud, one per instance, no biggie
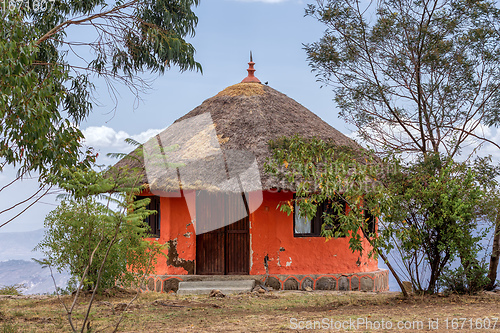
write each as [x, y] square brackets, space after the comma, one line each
[264, 1]
[469, 146]
[487, 148]
[106, 138]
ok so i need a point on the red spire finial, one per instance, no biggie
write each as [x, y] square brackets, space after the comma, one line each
[251, 77]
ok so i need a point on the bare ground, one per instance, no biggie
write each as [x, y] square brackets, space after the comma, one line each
[255, 312]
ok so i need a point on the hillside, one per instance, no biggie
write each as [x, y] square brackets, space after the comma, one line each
[16, 266]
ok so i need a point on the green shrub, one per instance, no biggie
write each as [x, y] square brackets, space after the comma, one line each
[465, 281]
[98, 233]
[14, 289]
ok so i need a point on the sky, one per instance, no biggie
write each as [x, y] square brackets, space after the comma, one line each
[274, 30]
[227, 30]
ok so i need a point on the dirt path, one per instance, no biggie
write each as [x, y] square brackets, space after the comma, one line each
[268, 312]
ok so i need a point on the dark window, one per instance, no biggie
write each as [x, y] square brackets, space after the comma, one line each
[370, 221]
[153, 220]
[302, 227]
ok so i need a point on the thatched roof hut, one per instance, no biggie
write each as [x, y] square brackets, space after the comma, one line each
[225, 221]
[228, 135]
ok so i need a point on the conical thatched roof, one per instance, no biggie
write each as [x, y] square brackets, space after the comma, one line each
[223, 143]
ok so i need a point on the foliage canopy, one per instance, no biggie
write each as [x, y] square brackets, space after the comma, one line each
[427, 211]
[98, 237]
[419, 80]
[50, 56]
[411, 76]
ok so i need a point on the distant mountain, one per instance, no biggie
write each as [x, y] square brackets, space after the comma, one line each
[36, 279]
[19, 245]
[16, 266]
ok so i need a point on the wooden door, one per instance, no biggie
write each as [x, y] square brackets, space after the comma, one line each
[210, 233]
[237, 248]
[222, 247]
[237, 240]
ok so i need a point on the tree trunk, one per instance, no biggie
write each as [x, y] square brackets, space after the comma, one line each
[434, 258]
[431, 288]
[495, 255]
[398, 280]
[384, 258]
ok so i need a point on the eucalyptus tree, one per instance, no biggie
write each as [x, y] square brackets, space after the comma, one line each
[411, 76]
[51, 53]
[418, 79]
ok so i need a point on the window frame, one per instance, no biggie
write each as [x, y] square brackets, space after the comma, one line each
[317, 221]
[153, 220]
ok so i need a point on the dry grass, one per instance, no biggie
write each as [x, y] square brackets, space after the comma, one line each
[243, 89]
[247, 116]
[271, 312]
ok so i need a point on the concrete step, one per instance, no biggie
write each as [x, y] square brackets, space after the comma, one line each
[205, 287]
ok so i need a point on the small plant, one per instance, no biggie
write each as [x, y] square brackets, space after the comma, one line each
[14, 289]
[98, 234]
[9, 328]
[18, 313]
[463, 281]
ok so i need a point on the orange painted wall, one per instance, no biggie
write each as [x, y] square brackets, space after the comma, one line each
[271, 233]
[176, 226]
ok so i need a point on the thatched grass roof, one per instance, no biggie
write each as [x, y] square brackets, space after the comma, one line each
[222, 144]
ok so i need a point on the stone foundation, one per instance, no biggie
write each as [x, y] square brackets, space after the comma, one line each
[367, 281]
